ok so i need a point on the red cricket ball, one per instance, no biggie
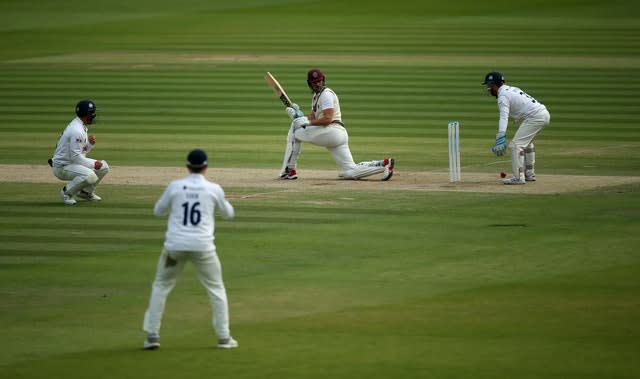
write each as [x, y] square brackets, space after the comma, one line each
[503, 175]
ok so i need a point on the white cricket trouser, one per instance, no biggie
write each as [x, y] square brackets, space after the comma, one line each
[521, 145]
[336, 139]
[209, 271]
[80, 177]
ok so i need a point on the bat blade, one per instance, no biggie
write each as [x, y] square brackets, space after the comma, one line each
[277, 88]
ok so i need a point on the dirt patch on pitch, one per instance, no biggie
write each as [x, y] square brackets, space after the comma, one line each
[236, 180]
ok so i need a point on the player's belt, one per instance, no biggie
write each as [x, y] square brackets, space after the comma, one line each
[338, 122]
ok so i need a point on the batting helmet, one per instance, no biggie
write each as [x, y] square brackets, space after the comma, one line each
[494, 77]
[315, 75]
[315, 79]
[86, 108]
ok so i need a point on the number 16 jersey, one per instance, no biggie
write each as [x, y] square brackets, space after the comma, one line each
[191, 203]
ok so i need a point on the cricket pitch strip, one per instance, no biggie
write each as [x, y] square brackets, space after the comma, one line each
[234, 180]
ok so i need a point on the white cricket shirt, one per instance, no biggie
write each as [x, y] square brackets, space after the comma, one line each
[73, 146]
[191, 203]
[325, 100]
[517, 103]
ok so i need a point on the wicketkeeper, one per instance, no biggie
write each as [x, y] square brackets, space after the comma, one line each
[530, 115]
[324, 127]
[70, 161]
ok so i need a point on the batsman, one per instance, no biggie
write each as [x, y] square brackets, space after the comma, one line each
[324, 127]
[529, 114]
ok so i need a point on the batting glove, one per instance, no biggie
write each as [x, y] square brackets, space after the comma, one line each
[294, 111]
[501, 144]
[300, 122]
[298, 110]
[291, 113]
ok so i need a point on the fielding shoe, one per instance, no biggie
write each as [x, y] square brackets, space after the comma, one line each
[67, 199]
[152, 342]
[227, 343]
[88, 196]
[513, 181]
[530, 178]
[289, 174]
[389, 164]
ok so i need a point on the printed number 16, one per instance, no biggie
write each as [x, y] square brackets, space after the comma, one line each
[192, 214]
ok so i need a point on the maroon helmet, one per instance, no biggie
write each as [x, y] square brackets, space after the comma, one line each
[315, 75]
[315, 79]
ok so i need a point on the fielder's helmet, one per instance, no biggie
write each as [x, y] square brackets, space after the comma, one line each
[86, 107]
[197, 158]
[494, 77]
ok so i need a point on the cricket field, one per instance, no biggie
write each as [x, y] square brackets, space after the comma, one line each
[411, 278]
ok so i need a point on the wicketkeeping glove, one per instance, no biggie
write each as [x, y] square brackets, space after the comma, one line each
[501, 144]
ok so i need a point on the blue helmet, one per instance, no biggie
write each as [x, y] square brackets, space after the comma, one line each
[494, 77]
[86, 108]
[197, 158]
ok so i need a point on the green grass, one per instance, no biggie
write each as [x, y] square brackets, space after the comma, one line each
[343, 284]
[425, 284]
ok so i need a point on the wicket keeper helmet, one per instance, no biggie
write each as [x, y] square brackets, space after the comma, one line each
[494, 77]
[86, 108]
[315, 77]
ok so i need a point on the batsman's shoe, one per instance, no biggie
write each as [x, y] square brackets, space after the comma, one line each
[227, 343]
[88, 196]
[289, 174]
[152, 342]
[530, 178]
[389, 164]
[514, 181]
[67, 199]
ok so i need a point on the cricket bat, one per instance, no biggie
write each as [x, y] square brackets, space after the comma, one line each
[277, 88]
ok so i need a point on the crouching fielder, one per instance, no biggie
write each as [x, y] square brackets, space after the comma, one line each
[531, 117]
[324, 127]
[70, 161]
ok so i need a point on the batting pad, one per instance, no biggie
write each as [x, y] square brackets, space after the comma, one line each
[360, 172]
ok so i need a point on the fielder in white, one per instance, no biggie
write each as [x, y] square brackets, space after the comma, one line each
[70, 161]
[324, 127]
[190, 203]
[530, 115]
